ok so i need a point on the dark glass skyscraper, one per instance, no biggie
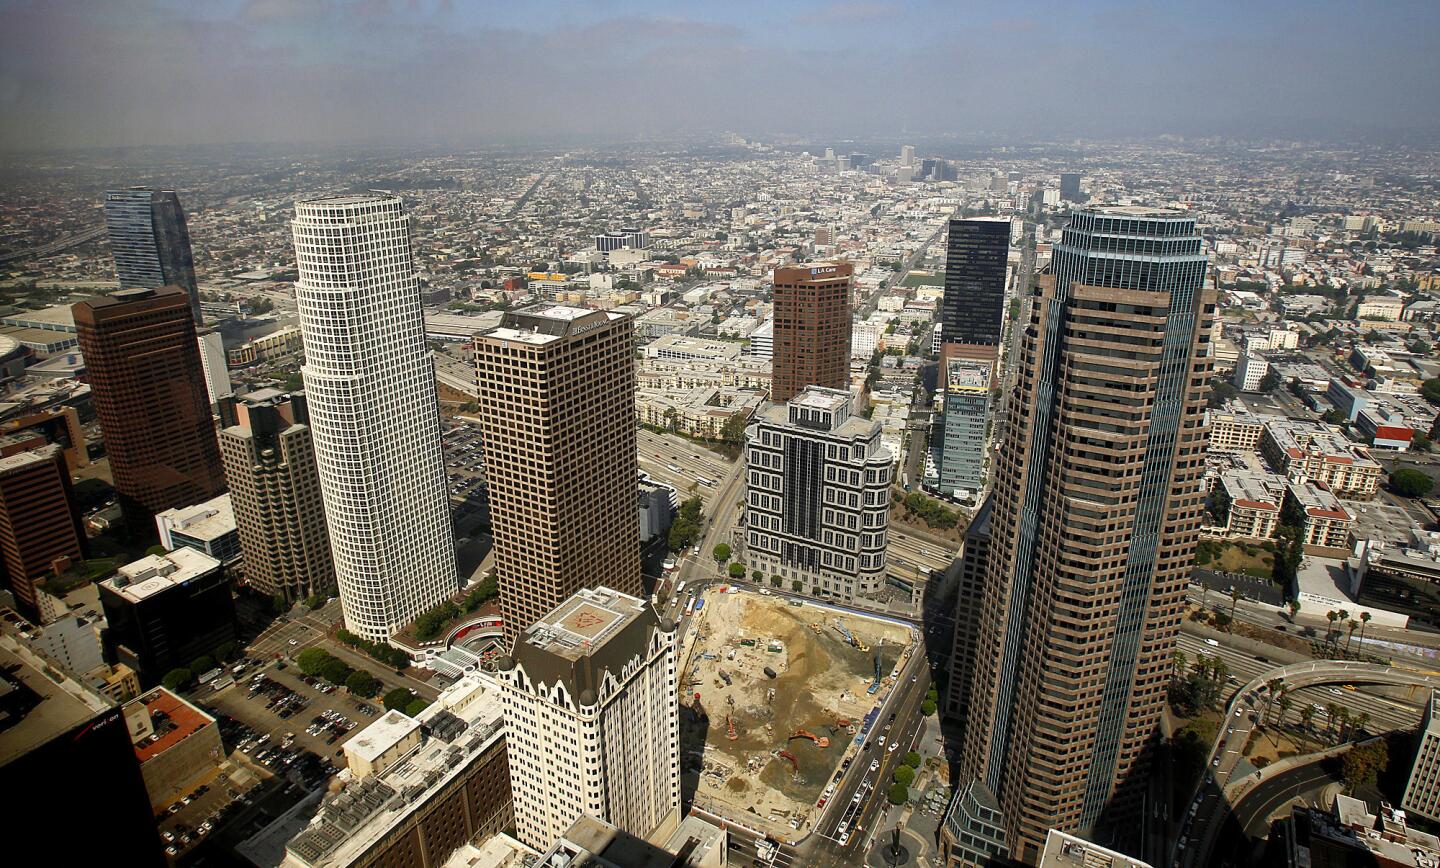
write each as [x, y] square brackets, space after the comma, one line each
[150, 242]
[1070, 186]
[974, 304]
[1095, 512]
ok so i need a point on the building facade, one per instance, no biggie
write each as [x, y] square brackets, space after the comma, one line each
[592, 719]
[374, 414]
[966, 425]
[148, 388]
[973, 309]
[208, 527]
[1097, 503]
[212, 362]
[974, 557]
[811, 334]
[557, 408]
[166, 610]
[39, 521]
[150, 242]
[817, 496]
[1422, 790]
[275, 493]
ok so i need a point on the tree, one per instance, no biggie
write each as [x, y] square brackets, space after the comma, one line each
[1352, 625]
[314, 601]
[1361, 766]
[203, 663]
[904, 775]
[397, 699]
[362, 683]
[912, 759]
[1234, 601]
[928, 707]
[1271, 381]
[312, 660]
[722, 552]
[1178, 663]
[737, 571]
[774, 581]
[733, 431]
[176, 678]
[899, 794]
[1307, 714]
[226, 651]
[1430, 390]
[335, 671]
[1331, 616]
[157, 549]
[797, 586]
[1294, 607]
[1408, 482]
[278, 604]
[1364, 619]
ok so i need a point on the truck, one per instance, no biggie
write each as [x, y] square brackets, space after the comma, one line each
[770, 673]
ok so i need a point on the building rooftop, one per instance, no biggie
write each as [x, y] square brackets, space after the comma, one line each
[1063, 850]
[42, 702]
[1144, 211]
[203, 521]
[153, 574]
[967, 374]
[381, 735]
[346, 200]
[173, 719]
[467, 719]
[544, 323]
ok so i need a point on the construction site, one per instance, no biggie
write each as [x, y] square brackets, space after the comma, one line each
[775, 695]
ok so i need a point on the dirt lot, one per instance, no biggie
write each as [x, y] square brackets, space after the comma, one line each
[820, 685]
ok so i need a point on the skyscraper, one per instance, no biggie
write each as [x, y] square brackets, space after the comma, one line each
[374, 415]
[592, 718]
[812, 328]
[817, 498]
[275, 491]
[148, 388]
[557, 404]
[965, 427]
[39, 520]
[973, 308]
[1070, 186]
[212, 362]
[1096, 506]
[150, 242]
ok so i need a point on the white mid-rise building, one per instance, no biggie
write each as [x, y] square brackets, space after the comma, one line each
[864, 339]
[212, 361]
[370, 381]
[817, 501]
[592, 719]
[1250, 371]
[762, 340]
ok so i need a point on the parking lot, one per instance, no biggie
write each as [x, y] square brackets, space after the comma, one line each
[281, 705]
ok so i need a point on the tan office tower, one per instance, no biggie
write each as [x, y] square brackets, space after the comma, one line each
[275, 491]
[812, 328]
[148, 388]
[1095, 512]
[557, 400]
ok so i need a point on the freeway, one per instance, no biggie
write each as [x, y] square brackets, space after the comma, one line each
[56, 246]
[682, 464]
[1385, 713]
[1252, 814]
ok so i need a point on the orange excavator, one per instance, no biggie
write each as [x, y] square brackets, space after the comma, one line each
[794, 763]
[820, 740]
[730, 732]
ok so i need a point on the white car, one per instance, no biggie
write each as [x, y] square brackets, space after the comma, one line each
[880, 741]
[844, 838]
[893, 746]
[843, 827]
[874, 764]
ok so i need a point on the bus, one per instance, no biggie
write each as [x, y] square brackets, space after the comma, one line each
[690, 605]
[708, 483]
[679, 589]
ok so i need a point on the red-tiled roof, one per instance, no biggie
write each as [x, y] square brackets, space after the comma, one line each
[185, 722]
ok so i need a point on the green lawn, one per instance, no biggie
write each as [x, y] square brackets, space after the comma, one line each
[1247, 558]
[923, 279]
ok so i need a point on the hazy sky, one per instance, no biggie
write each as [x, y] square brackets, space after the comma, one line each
[132, 72]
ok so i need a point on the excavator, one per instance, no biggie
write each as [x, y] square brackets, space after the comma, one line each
[794, 762]
[820, 740]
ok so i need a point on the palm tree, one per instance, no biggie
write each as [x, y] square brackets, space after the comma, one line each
[1362, 721]
[1352, 625]
[1307, 714]
[1294, 607]
[1285, 703]
[1344, 722]
[1364, 619]
[1330, 616]
[1234, 599]
[1272, 689]
[1179, 662]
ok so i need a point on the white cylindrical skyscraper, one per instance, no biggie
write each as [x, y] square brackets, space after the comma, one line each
[370, 381]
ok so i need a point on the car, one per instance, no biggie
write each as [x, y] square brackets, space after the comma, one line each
[1229, 729]
[843, 839]
[843, 827]
[880, 741]
[821, 803]
[874, 764]
[168, 835]
[172, 850]
[894, 745]
[892, 717]
[1215, 762]
[294, 642]
[206, 826]
[1238, 712]
[1212, 643]
[857, 797]
[1335, 691]
[867, 745]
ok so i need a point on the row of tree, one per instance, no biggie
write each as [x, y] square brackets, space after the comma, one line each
[431, 624]
[378, 651]
[685, 530]
[319, 663]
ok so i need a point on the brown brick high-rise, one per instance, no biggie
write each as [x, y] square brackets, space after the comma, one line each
[1096, 508]
[39, 520]
[148, 388]
[557, 400]
[812, 328]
